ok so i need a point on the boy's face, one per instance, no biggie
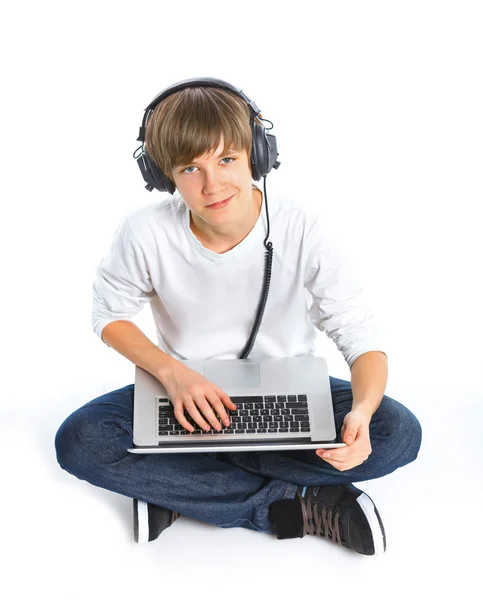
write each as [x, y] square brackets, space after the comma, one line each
[211, 179]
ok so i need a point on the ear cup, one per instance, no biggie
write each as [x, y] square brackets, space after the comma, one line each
[153, 175]
[264, 151]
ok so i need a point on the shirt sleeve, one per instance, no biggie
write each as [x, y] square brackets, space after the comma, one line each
[123, 284]
[340, 306]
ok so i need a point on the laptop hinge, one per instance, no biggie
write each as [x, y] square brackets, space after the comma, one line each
[237, 442]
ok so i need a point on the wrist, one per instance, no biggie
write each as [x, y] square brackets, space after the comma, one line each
[167, 370]
[364, 413]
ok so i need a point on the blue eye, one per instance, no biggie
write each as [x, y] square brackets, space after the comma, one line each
[226, 158]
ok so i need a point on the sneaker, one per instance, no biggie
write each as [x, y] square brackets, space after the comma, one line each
[150, 520]
[341, 513]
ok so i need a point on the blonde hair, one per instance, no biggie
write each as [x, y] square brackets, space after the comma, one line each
[191, 122]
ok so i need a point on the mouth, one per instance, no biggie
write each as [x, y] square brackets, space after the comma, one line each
[220, 204]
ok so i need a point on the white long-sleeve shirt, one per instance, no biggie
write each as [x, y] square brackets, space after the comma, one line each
[204, 304]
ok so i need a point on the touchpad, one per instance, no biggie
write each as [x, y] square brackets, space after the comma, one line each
[246, 375]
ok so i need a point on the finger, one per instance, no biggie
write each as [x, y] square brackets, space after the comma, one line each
[201, 400]
[192, 408]
[342, 452]
[227, 401]
[334, 456]
[182, 420]
[333, 460]
[210, 415]
[219, 406]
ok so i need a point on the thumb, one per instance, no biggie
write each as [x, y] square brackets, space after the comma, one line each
[349, 435]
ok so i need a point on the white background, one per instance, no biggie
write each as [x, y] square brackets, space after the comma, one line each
[377, 110]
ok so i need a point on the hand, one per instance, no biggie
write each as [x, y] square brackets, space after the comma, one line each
[355, 426]
[189, 390]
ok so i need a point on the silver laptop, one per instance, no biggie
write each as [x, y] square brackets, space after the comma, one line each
[282, 404]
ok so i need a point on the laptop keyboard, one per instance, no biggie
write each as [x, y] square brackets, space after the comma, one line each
[254, 414]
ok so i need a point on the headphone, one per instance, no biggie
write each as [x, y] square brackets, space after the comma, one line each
[263, 157]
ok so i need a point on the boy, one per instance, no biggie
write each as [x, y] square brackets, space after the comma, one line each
[197, 259]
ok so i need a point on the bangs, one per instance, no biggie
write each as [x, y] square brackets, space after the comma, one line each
[193, 122]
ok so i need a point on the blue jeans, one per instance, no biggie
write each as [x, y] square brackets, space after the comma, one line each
[227, 489]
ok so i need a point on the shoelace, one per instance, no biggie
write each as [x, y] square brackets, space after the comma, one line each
[318, 522]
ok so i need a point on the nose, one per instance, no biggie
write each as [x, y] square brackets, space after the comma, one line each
[213, 182]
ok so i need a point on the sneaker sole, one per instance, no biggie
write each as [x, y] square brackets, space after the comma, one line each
[375, 523]
[141, 522]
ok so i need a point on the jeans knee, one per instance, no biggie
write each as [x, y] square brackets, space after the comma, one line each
[69, 440]
[409, 435]
[401, 430]
[64, 442]
[415, 433]
[91, 438]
